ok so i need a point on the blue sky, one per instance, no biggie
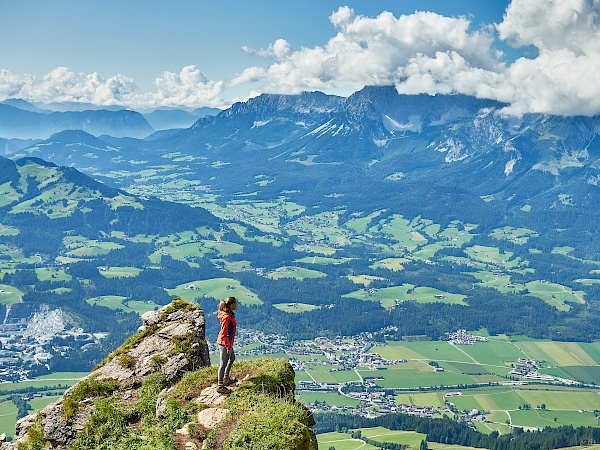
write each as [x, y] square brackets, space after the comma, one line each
[200, 53]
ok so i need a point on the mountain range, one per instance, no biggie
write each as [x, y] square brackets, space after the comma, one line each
[375, 147]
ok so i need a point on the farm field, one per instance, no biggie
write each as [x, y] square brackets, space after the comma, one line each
[9, 294]
[343, 441]
[298, 273]
[8, 417]
[119, 272]
[388, 296]
[51, 274]
[119, 302]
[295, 307]
[217, 288]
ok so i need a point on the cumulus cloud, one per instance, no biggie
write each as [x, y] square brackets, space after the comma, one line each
[190, 87]
[371, 50]
[62, 85]
[422, 52]
[428, 53]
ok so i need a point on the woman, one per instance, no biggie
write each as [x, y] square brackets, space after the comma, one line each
[225, 343]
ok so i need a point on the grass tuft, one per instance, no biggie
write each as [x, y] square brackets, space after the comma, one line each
[85, 389]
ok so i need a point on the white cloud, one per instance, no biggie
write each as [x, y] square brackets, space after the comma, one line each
[190, 88]
[428, 53]
[422, 52]
[371, 50]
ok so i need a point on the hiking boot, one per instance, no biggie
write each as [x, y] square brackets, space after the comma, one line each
[223, 390]
[228, 381]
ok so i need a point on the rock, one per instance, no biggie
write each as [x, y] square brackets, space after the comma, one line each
[152, 317]
[190, 446]
[209, 396]
[177, 326]
[211, 417]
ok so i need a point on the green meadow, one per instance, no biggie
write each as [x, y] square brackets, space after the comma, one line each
[411, 439]
[299, 273]
[390, 295]
[119, 272]
[365, 280]
[7, 230]
[515, 235]
[394, 264]
[217, 288]
[10, 294]
[81, 247]
[295, 307]
[322, 260]
[121, 303]
[555, 294]
[8, 417]
[51, 274]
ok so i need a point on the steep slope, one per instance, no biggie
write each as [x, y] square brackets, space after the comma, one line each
[158, 389]
[58, 218]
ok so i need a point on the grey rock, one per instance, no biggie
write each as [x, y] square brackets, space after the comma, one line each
[211, 417]
[153, 352]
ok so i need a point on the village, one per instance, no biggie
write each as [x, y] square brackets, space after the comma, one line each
[27, 345]
[370, 399]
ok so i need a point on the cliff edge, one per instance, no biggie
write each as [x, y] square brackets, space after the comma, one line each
[158, 391]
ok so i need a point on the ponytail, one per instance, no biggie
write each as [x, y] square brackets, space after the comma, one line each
[225, 305]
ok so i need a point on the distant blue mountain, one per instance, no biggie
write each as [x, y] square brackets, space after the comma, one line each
[166, 119]
[24, 124]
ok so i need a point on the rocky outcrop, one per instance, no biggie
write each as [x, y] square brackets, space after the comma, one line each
[170, 342]
[158, 390]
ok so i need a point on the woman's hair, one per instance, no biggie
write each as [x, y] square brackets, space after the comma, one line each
[225, 305]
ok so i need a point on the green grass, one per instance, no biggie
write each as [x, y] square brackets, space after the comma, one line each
[419, 374]
[388, 296]
[554, 294]
[428, 350]
[539, 418]
[62, 377]
[341, 441]
[8, 230]
[333, 399]
[323, 260]
[183, 251]
[365, 280]
[109, 301]
[216, 288]
[393, 264]
[515, 235]
[119, 272]
[8, 418]
[10, 294]
[360, 224]
[299, 273]
[80, 247]
[323, 374]
[492, 255]
[380, 434]
[435, 399]
[50, 274]
[41, 403]
[501, 283]
[295, 307]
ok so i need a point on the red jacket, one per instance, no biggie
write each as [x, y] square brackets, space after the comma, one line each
[228, 328]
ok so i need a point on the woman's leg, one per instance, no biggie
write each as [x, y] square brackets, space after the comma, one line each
[229, 364]
[223, 361]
